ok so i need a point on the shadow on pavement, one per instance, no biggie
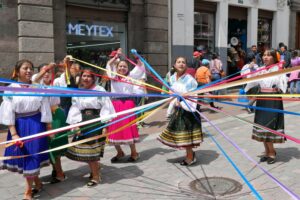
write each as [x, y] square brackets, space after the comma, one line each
[111, 174]
[287, 154]
[149, 153]
[74, 179]
[158, 124]
[204, 157]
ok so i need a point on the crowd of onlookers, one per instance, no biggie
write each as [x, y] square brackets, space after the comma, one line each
[207, 67]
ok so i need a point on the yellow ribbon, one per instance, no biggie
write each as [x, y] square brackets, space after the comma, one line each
[87, 139]
[129, 78]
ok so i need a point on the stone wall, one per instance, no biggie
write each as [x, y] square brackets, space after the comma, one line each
[35, 31]
[59, 21]
[8, 35]
[156, 35]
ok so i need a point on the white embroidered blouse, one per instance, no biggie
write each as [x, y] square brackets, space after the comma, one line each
[23, 104]
[136, 73]
[81, 103]
[184, 84]
[279, 81]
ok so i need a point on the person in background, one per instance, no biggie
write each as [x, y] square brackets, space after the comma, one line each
[251, 66]
[26, 116]
[44, 77]
[196, 61]
[203, 77]
[294, 78]
[285, 55]
[271, 120]
[256, 54]
[184, 131]
[216, 70]
[73, 72]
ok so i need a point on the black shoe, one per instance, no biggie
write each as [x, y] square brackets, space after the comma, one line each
[264, 159]
[185, 163]
[271, 160]
[57, 180]
[117, 158]
[92, 183]
[131, 159]
[34, 191]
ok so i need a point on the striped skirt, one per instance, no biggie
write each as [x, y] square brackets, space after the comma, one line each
[183, 130]
[271, 120]
[92, 150]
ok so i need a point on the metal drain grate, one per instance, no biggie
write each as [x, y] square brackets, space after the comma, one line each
[215, 186]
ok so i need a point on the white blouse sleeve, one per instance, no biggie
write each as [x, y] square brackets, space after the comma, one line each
[74, 115]
[7, 113]
[107, 108]
[137, 72]
[109, 71]
[283, 83]
[46, 111]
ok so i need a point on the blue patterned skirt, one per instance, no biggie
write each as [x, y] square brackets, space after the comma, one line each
[29, 166]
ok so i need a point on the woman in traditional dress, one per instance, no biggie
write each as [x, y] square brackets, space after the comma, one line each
[25, 116]
[272, 120]
[128, 135]
[83, 109]
[184, 131]
[45, 77]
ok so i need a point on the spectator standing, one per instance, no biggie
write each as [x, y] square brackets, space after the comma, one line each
[294, 78]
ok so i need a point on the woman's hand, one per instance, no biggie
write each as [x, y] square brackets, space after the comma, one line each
[17, 143]
[104, 131]
[77, 131]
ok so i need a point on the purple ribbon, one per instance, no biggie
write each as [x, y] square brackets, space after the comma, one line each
[286, 189]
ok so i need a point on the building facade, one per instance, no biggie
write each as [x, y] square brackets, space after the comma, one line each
[217, 25]
[46, 30]
[294, 24]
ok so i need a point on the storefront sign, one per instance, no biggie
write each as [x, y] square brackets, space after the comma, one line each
[90, 30]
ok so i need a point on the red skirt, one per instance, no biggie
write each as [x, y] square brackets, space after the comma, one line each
[128, 135]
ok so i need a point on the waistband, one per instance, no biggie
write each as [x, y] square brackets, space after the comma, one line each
[269, 89]
[28, 114]
[90, 112]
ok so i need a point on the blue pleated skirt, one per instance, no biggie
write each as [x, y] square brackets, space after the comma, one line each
[29, 166]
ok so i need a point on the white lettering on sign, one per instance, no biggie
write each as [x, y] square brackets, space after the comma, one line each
[90, 30]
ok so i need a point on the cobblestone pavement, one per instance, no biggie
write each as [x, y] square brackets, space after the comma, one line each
[157, 175]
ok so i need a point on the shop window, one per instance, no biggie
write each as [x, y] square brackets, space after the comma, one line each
[93, 41]
[204, 33]
[264, 32]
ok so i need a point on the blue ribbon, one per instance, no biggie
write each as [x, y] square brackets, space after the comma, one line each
[118, 120]
[87, 95]
[134, 52]
[257, 195]
[255, 107]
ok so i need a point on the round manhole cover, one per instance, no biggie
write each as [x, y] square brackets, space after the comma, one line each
[215, 186]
